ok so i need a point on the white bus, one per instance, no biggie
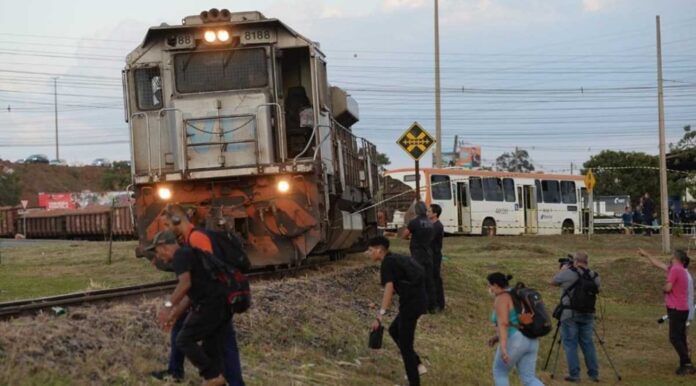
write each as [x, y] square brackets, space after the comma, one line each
[485, 202]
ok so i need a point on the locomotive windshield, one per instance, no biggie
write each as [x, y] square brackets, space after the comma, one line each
[221, 70]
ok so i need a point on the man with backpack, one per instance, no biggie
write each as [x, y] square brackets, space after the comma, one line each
[405, 276]
[175, 219]
[579, 289]
[209, 313]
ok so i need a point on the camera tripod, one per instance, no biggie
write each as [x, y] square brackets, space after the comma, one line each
[557, 342]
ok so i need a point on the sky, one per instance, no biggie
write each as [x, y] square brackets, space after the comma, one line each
[561, 79]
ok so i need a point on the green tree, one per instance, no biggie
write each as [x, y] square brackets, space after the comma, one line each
[516, 161]
[117, 177]
[383, 160]
[631, 173]
[10, 189]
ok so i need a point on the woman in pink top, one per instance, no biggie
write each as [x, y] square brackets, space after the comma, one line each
[677, 301]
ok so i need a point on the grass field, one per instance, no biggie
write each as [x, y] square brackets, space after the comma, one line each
[31, 269]
[312, 330]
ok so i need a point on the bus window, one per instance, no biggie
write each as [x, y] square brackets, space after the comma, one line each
[493, 189]
[551, 192]
[440, 187]
[475, 189]
[509, 189]
[540, 197]
[409, 178]
[568, 194]
[148, 87]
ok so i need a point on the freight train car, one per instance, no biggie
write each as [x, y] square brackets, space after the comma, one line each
[92, 223]
[231, 116]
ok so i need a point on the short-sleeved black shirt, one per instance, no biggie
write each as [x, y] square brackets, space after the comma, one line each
[439, 232]
[413, 300]
[203, 287]
[422, 233]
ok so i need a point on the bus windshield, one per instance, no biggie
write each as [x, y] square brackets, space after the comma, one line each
[221, 70]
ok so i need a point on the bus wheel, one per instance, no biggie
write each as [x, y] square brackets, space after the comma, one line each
[488, 228]
[568, 227]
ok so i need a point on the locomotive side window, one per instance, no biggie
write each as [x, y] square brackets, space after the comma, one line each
[148, 85]
[221, 70]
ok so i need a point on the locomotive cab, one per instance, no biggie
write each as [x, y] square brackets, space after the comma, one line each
[231, 114]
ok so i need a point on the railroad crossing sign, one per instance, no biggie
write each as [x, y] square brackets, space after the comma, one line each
[590, 180]
[416, 141]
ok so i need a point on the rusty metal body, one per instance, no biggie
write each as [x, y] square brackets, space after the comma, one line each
[231, 115]
[90, 223]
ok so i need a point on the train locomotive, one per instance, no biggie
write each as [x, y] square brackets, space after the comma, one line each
[232, 117]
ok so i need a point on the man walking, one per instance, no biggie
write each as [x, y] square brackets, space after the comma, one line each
[676, 291]
[421, 232]
[577, 284]
[210, 313]
[175, 219]
[403, 275]
[434, 213]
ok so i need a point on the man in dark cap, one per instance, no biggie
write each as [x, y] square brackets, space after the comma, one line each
[210, 313]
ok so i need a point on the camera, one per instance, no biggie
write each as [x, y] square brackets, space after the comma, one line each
[566, 260]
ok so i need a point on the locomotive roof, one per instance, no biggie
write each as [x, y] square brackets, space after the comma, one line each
[152, 32]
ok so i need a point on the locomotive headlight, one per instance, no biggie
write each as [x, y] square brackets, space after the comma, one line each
[283, 186]
[223, 35]
[209, 36]
[164, 193]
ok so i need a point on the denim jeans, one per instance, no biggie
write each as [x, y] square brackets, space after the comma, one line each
[523, 355]
[232, 367]
[574, 330]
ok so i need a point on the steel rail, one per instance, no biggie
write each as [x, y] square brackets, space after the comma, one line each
[26, 306]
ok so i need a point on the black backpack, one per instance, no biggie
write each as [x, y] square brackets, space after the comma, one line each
[534, 320]
[234, 283]
[228, 246]
[584, 292]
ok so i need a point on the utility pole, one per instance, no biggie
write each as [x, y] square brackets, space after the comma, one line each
[571, 168]
[55, 109]
[438, 118]
[664, 218]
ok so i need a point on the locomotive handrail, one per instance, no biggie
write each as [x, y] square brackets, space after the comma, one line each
[147, 131]
[281, 134]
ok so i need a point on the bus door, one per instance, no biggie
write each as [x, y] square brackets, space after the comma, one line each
[464, 207]
[531, 225]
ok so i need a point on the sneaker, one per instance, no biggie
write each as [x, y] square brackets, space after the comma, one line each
[571, 379]
[165, 375]
[594, 379]
[422, 369]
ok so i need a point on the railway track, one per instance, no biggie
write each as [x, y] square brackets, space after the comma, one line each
[31, 306]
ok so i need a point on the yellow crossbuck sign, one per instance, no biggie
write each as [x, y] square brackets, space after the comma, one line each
[416, 141]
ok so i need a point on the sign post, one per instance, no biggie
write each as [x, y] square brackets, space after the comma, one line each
[24, 215]
[416, 142]
[590, 182]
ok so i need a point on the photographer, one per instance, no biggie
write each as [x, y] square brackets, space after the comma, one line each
[678, 299]
[579, 288]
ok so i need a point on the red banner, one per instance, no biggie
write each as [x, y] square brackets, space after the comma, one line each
[56, 201]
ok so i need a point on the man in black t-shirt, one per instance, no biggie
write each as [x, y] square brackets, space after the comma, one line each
[434, 213]
[403, 275]
[421, 232]
[210, 314]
